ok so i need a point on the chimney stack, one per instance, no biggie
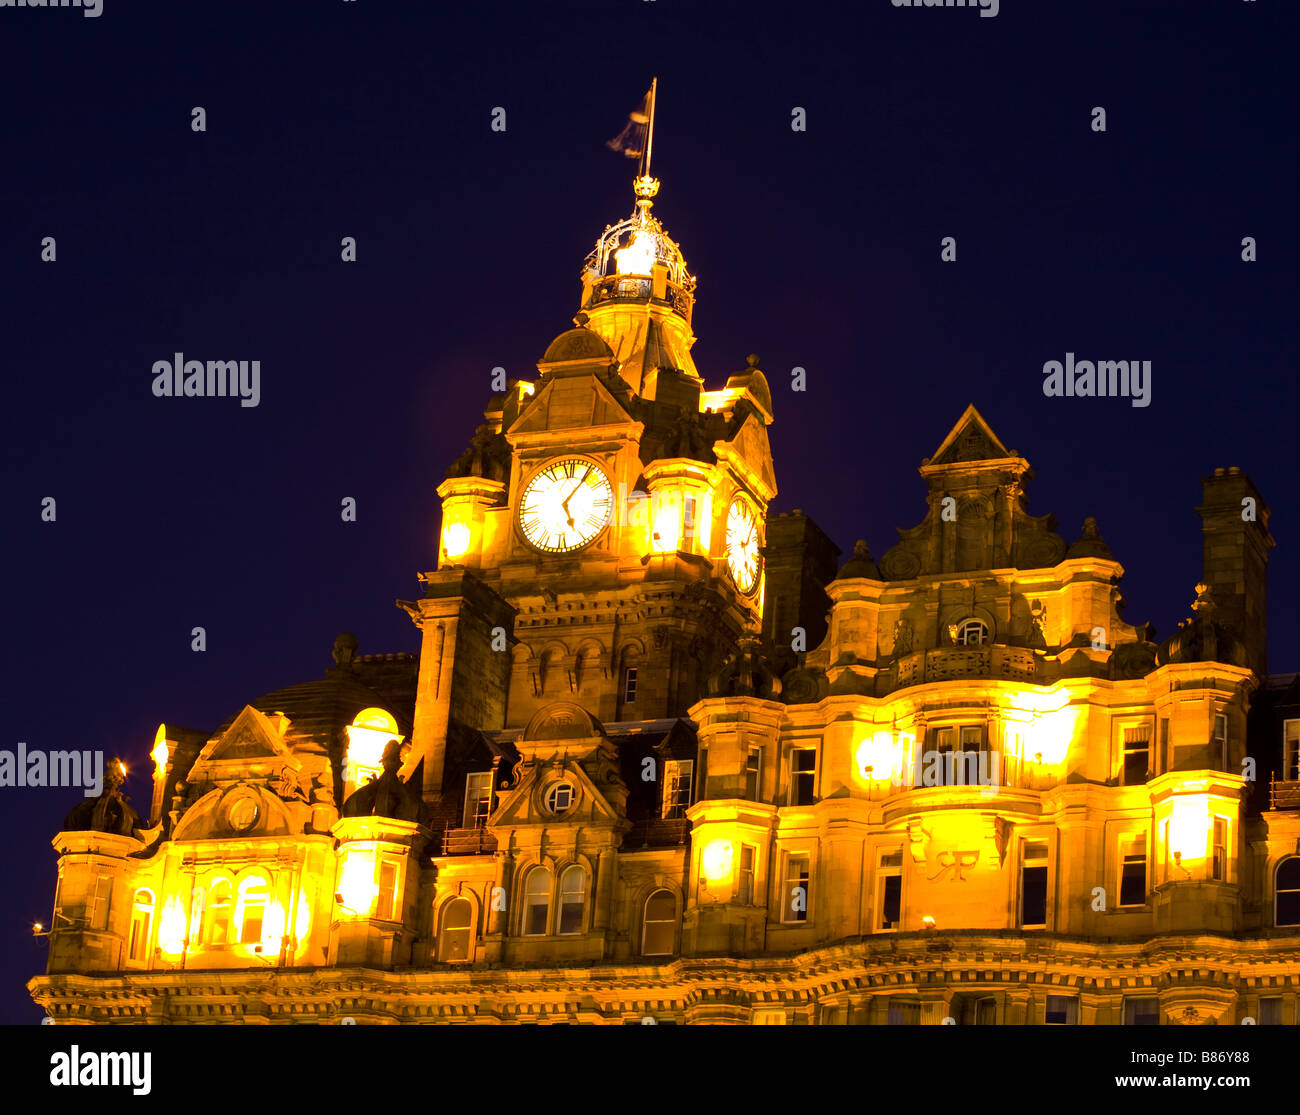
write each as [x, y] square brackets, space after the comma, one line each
[1234, 530]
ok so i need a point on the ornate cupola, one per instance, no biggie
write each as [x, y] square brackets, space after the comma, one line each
[636, 289]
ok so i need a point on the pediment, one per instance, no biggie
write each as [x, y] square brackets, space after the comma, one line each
[570, 403]
[971, 439]
[524, 805]
[750, 447]
[252, 735]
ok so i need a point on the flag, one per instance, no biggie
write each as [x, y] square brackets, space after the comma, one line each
[631, 140]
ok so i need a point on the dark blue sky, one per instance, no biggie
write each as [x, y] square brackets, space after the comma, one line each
[817, 249]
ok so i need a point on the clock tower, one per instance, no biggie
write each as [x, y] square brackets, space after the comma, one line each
[602, 537]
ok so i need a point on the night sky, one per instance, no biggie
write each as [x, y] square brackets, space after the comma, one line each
[818, 249]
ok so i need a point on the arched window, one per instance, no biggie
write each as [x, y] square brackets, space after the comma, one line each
[537, 901]
[1288, 892]
[250, 909]
[573, 898]
[972, 633]
[220, 910]
[141, 924]
[659, 924]
[454, 934]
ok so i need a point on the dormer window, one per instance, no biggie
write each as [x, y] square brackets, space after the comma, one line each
[971, 633]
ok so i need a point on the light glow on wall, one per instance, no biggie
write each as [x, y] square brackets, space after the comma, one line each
[357, 882]
[715, 861]
[877, 757]
[1189, 830]
[456, 537]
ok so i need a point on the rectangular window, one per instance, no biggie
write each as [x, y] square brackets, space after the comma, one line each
[904, 1012]
[754, 773]
[745, 891]
[890, 900]
[1291, 751]
[1133, 871]
[97, 915]
[795, 901]
[1164, 840]
[803, 775]
[1061, 1010]
[1164, 744]
[386, 908]
[1141, 1011]
[962, 756]
[677, 786]
[478, 799]
[629, 685]
[1137, 755]
[1270, 1011]
[976, 1010]
[1033, 885]
[1221, 740]
[1219, 858]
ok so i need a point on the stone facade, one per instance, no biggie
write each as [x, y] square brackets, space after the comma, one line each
[617, 784]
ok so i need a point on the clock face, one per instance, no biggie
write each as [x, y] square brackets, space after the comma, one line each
[565, 505]
[742, 545]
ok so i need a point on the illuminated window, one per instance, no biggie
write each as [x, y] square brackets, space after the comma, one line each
[1270, 1011]
[386, 906]
[1219, 860]
[1133, 870]
[1033, 885]
[573, 898]
[1291, 751]
[141, 924]
[1061, 1010]
[559, 798]
[795, 901]
[478, 799]
[890, 890]
[803, 775]
[250, 909]
[677, 787]
[659, 924]
[1137, 755]
[1221, 740]
[904, 1012]
[1141, 1011]
[972, 633]
[753, 774]
[196, 915]
[537, 902]
[745, 890]
[454, 934]
[1287, 907]
[629, 685]
[220, 912]
[769, 1017]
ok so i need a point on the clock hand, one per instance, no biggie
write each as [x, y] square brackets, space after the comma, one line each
[565, 505]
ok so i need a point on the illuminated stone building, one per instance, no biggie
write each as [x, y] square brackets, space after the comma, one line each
[661, 756]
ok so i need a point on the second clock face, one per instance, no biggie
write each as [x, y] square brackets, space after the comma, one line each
[742, 545]
[565, 505]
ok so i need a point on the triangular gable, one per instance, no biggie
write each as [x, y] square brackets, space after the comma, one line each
[971, 439]
[519, 807]
[570, 402]
[251, 735]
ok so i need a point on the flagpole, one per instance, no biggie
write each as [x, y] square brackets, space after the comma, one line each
[650, 136]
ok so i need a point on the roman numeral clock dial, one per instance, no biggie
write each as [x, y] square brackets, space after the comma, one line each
[742, 545]
[565, 505]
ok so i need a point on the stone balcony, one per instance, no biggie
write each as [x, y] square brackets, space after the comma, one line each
[959, 663]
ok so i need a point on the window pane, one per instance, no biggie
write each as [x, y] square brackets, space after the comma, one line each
[891, 907]
[1034, 896]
